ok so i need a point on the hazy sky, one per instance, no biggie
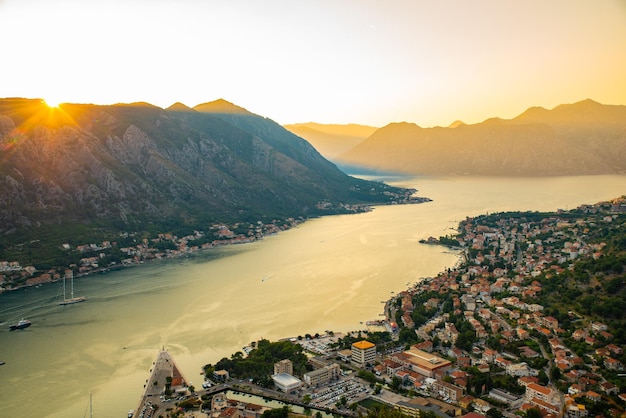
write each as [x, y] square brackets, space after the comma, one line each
[329, 61]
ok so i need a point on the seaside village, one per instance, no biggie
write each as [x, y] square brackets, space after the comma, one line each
[132, 249]
[483, 346]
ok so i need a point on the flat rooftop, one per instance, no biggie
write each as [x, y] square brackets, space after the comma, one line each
[426, 360]
[363, 345]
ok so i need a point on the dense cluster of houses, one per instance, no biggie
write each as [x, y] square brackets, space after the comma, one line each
[494, 289]
[499, 301]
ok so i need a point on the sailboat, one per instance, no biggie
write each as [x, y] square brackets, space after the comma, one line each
[72, 299]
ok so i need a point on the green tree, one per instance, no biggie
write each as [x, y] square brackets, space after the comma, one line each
[494, 413]
[407, 336]
[277, 413]
[396, 383]
[533, 413]
[466, 339]
[367, 376]
[258, 365]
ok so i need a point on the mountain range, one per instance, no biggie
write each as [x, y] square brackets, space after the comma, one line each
[137, 166]
[332, 140]
[129, 166]
[584, 138]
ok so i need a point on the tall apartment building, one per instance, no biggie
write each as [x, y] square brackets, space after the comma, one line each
[363, 352]
[283, 366]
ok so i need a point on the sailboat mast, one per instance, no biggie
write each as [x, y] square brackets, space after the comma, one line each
[69, 274]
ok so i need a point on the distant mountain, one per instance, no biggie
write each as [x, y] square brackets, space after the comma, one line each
[331, 140]
[575, 139]
[134, 166]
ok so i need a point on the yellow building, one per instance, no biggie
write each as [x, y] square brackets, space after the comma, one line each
[363, 352]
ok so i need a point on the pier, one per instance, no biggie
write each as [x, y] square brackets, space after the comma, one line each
[164, 372]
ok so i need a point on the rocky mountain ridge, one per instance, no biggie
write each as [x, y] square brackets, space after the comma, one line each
[130, 165]
[583, 138]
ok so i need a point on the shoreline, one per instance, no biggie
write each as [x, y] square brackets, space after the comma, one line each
[553, 224]
[289, 223]
[196, 353]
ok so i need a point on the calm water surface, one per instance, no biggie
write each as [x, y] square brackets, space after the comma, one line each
[327, 274]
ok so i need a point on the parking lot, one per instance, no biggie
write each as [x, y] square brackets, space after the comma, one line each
[319, 345]
[329, 395]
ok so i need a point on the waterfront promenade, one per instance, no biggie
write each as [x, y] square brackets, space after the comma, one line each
[153, 404]
[163, 370]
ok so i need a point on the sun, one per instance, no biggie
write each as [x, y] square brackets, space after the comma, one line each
[52, 114]
[52, 102]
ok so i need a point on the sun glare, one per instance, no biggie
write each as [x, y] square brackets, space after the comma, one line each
[52, 102]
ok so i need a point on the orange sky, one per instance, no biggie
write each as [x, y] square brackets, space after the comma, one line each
[329, 61]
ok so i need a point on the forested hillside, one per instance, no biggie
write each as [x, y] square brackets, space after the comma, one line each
[85, 173]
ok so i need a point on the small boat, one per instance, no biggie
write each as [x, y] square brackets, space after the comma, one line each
[21, 324]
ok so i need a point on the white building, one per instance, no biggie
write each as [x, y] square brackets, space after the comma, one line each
[520, 370]
[286, 382]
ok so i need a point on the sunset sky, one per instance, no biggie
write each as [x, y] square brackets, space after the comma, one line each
[329, 61]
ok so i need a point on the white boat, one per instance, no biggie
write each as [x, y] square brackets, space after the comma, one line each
[21, 324]
[73, 299]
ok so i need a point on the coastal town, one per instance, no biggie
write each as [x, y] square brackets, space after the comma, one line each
[510, 330]
[133, 248]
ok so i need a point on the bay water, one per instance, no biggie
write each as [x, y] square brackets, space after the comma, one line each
[330, 273]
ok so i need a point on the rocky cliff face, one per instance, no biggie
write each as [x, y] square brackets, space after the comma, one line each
[126, 165]
[579, 139]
